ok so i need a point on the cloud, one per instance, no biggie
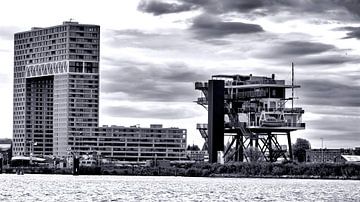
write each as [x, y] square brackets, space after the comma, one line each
[330, 93]
[7, 32]
[173, 82]
[145, 40]
[165, 111]
[354, 32]
[160, 8]
[5, 79]
[209, 26]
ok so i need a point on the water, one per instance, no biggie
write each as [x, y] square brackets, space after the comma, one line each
[139, 188]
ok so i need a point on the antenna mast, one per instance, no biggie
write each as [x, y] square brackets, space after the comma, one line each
[292, 87]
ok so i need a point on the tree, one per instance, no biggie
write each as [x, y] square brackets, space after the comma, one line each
[253, 154]
[193, 148]
[299, 149]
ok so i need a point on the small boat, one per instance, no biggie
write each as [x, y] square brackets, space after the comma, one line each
[272, 119]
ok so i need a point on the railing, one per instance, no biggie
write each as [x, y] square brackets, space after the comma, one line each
[201, 85]
[234, 83]
[293, 110]
[202, 100]
[201, 126]
[297, 125]
[260, 109]
[251, 94]
[247, 109]
[292, 125]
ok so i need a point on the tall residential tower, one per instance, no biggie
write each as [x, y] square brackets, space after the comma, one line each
[56, 87]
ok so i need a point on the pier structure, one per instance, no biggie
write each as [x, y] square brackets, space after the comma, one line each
[251, 111]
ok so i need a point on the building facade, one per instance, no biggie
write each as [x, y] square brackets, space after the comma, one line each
[56, 87]
[327, 155]
[134, 143]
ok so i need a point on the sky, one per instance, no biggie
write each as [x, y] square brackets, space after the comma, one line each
[152, 52]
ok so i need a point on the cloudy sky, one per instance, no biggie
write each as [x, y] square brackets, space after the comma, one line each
[152, 52]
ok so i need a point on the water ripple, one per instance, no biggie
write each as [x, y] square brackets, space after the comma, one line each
[139, 188]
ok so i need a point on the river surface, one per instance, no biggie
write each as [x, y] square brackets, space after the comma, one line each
[31, 187]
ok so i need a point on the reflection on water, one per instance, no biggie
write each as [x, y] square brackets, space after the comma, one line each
[138, 188]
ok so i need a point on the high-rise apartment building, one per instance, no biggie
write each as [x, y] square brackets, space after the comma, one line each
[56, 87]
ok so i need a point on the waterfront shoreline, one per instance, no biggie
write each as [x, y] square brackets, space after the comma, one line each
[232, 176]
[315, 177]
[235, 170]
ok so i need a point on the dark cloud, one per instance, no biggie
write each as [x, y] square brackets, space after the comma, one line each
[208, 26]
[303, 48]
[160, 8]
[337, 124]
[160, 112]
[223, 6]
[336, 9]
[304, 53]
[330, 93]
[353, 6]
[218, 42]
[150, 82]
[294, 48]
[344, 111]
[337, 131]
[336, 139]
[354, 32]
[130, 32]
[325, 10]
[329, 59]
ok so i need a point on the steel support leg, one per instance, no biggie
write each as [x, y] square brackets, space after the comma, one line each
[271, 153]
[290, 146]
[241, 148]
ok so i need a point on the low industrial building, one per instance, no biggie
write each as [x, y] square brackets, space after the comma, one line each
[5, 151]
[198, 156]
[328, 155]
[348, 159]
